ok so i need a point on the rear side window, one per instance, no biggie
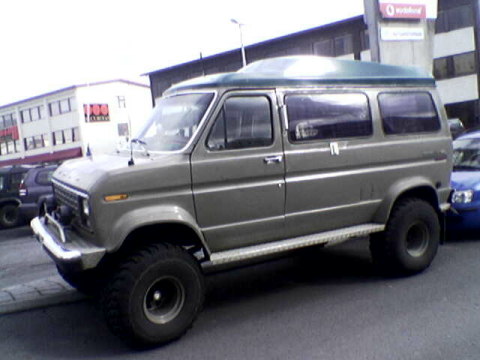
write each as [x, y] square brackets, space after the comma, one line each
[408, 113]
[328, 116]
[243, 122]
[44, 177]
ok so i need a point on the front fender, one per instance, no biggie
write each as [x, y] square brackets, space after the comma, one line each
[152, 215]
[396, 190]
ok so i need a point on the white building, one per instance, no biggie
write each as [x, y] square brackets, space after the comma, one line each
[61, 124]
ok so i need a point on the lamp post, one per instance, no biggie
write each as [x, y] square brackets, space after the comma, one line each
[244, 59]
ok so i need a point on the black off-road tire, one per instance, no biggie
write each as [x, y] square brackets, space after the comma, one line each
[89, 282]
[410, 240]
[9, 216]
[155, 296]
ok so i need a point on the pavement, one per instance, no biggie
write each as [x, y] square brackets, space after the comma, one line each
[39, 293]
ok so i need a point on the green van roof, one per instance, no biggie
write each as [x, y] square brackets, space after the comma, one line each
[310, 70]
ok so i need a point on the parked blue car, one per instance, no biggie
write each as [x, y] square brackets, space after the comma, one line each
[465, 181]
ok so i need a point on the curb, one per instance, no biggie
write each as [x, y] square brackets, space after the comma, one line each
[37, 294]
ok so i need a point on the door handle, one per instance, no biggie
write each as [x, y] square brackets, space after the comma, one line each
[273, 159]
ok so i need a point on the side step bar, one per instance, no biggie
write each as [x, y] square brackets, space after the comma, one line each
[328, 238]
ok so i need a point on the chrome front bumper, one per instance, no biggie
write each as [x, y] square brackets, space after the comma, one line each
[64, 249]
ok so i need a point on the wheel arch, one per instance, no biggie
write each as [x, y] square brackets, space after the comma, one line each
[11, 200]
[159, 224]
[175, 233]
[419, 188]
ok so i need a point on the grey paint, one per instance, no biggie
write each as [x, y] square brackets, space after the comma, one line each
[233, 199]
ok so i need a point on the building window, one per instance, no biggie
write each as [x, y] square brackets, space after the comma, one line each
[455, 18]
[76, 134]
[54, 108]
[62, 106]
[328, 116]
[324, 48]
[123, 129]
[32, 114]
[464, 64]
[454, 66]
[8, 120]
[25, 114]
[343, 45]
[8, 145]
[338, 46]
[66, 136]
[121, 102]
[36, 142]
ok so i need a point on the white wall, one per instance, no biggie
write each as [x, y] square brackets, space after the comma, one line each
[103, 137]
[454, 42]
[464, 88]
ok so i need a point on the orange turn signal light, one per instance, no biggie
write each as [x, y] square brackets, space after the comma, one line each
[116, 197]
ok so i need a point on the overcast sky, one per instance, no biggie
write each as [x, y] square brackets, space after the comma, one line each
[50, 44]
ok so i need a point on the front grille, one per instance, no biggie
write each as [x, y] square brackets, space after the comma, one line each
[67, 198]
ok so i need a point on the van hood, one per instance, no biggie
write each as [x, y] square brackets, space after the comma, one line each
[84, 173]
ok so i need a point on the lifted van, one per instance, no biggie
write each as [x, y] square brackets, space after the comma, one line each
[286, 153]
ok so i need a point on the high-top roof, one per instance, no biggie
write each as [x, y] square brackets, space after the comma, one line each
[310, 70]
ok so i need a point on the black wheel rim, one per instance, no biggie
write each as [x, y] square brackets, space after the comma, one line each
[417, 240]
[164, 300]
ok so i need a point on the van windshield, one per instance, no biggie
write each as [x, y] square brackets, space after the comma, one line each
[173, 122]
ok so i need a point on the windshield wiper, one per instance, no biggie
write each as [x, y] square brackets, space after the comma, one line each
[138, 141]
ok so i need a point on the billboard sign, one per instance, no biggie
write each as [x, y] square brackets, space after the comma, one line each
[401, 34]
[403, 11]
[96, 112]
[408, 9]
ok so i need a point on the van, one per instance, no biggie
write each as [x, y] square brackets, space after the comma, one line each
[231, 168]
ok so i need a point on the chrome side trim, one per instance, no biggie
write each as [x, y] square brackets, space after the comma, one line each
[48, 241]
[328, 238]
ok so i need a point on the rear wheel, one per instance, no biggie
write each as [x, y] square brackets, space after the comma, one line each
[155, 296]
[9, 215]
[410, 240]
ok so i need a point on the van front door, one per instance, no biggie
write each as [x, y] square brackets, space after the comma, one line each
[238, 173]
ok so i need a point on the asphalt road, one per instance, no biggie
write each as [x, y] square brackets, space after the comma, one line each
[22, 258]
[319, 304]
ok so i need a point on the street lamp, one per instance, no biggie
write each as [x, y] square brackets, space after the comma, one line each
[244, 59]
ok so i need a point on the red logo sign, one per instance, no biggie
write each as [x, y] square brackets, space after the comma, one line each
[403, 11]
[96, 112]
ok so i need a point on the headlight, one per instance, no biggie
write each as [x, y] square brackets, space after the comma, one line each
[85, 207]
[462, 197]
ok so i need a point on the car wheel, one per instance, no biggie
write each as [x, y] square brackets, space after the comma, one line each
[410, 240]
[9, 215]
[155, 296]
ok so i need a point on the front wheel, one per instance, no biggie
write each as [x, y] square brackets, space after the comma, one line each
[410, 240]
[155, 296]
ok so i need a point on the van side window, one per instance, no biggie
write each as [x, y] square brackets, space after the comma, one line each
[408, 113]
[328, 116]
[243, 122]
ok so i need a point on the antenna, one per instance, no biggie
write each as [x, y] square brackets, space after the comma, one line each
[201, 62]
[131, 162]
